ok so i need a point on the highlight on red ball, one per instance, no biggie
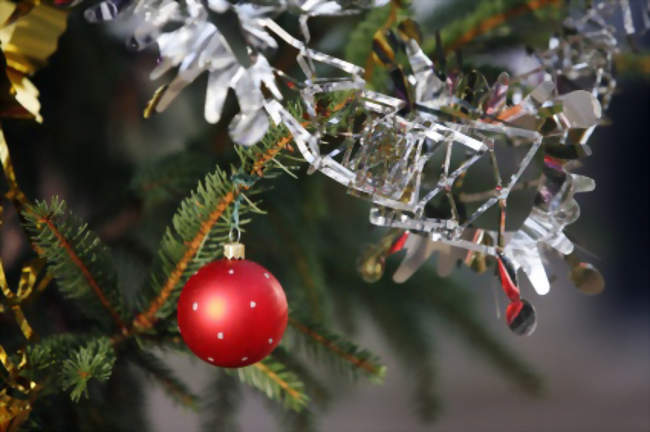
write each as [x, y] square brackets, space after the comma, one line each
[232, 313]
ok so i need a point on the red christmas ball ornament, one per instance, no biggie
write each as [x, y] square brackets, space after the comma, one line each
[232, 312]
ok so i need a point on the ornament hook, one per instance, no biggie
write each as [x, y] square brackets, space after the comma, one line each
[233, 249]
[234, 235]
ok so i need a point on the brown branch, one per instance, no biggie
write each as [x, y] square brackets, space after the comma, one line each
[301, 264]
[177, 392]
[295, 394]
[84, 270]
[146, 319]
[363, 364]
[496, 20]
[259, 165]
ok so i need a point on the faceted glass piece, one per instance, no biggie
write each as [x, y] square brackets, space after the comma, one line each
[581, 109]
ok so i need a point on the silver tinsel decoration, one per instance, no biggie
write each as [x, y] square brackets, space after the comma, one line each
[410, 153]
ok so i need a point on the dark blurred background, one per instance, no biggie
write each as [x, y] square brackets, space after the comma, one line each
[592, 352]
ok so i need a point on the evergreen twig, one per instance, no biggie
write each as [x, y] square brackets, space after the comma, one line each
[93, 360]
[222, 399]
[345, 350]
[495, 20]
[159, 372]
[75, 256]
[228, 192]
[272, 378]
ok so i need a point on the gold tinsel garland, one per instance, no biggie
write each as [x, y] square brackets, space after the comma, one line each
[29, 31]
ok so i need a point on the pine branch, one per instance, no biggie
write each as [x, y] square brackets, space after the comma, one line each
[77, 259]
[94, 360]
[70, 361]
[273, 379]
[317, 390]
[170, 176]
[404, 329]
[293, 421]
[223, 397]
[490, 22]
[158, 371]
[426, 400]
[310, 276]
[269, 154]
[202, 223]
[324, 342]
[213, 185]
[453, 304]
[292, 387]
[50, 352]
[478, 18]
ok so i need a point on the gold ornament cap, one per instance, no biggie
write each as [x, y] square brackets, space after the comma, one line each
[234, 250]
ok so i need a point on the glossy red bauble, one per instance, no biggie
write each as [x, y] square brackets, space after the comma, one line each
[232, 313]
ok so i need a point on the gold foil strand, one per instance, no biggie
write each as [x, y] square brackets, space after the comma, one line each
[14, 193]
[4, 286]
[28, 277]
[23, 323]
[6, 362]
[14, 301]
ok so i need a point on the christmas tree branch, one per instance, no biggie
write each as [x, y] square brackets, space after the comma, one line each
[69, 361]
[488, 16]
[204, 219]
[294, 394]
[76, 257]
[147, 318]
[67, 247]
[261, 162]
[279, 381]
[272, 378]
[158, 371]
[222, 398]
[92, 360]
[308, 267]
[396, 316]
[169, 177]
[345, 350]
[318, 391]
[451, 304]
[495, 20]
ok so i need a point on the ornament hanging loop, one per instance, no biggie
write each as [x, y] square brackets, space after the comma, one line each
[234, 235]
[234, 249]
